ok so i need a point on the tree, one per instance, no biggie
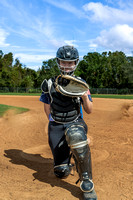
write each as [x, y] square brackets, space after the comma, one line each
[104, 70]
[7, 60]
[5, 78]
[117, 61]
[17, 74]
[90, 69]
[108, 69]
[128, 69]
[49, 69]
[1, 64]
[27, 82]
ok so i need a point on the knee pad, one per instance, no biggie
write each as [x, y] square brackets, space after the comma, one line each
[76, 136]
[62, 171]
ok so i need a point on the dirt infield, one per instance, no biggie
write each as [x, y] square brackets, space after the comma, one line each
[26, 165]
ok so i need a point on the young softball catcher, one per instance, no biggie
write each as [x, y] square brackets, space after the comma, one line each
[67, 131]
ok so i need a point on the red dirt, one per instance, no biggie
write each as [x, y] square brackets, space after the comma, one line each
[26, 164]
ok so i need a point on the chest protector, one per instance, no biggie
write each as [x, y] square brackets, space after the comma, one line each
[64, 109]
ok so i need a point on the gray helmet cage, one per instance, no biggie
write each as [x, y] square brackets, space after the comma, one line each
[67, 53]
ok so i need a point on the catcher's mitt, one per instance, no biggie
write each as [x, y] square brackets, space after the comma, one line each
[70, 86]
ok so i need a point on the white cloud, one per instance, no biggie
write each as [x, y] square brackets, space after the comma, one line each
[32, 50]
[41, 31]
[108, 15]
[34, 67]
[119, 37]
[28, 58]
[70, 42]
[33, 61]
[3, 36]
[41, 28]
[65, 5]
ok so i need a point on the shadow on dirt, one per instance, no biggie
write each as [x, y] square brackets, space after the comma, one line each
[43, 170]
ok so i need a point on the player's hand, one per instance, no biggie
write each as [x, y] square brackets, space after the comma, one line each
[85, 95]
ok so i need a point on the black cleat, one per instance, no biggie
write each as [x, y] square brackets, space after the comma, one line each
[90, 195]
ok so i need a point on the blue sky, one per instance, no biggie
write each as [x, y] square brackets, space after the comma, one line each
[33, 30]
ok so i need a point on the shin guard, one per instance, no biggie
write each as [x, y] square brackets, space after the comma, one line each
[77, 140]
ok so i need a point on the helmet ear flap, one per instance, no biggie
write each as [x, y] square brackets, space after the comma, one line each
[58, 61]
[77, 61]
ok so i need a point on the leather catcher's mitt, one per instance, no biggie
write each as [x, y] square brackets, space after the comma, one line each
[70, 86]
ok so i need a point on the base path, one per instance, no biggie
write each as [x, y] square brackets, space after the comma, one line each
[26, 164]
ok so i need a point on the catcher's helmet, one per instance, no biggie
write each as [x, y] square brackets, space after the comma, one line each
[67, 54]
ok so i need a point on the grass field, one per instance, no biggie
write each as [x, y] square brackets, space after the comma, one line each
[111, 96]
[17, 110]
[21, 94]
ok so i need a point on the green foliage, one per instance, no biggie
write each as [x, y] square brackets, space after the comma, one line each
[49, 69]
[105, 70]
[112, 96]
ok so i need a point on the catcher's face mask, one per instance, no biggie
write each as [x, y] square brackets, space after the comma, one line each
[67, 59]
[67, 66]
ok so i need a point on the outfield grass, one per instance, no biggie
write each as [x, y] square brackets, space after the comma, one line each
[17, 110]
[21, 94]
[111, 96]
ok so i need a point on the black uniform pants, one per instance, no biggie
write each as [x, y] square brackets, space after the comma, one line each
[57, 141]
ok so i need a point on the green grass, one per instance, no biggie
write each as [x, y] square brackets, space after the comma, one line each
[17, 110]
[21, 94]
[112, 96]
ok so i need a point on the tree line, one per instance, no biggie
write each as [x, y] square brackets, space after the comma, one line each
[100, 70]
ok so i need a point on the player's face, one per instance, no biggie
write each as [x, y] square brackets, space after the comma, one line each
[67, 66]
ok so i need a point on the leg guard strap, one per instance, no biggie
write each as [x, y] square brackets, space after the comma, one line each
[86, 184]
[79, 144]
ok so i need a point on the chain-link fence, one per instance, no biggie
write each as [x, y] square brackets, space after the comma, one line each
[92, 90]
[19, 90]
[111, 91]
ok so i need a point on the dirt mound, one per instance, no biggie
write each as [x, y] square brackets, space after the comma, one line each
[127, 110]
[26, 162]
[123, 111]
